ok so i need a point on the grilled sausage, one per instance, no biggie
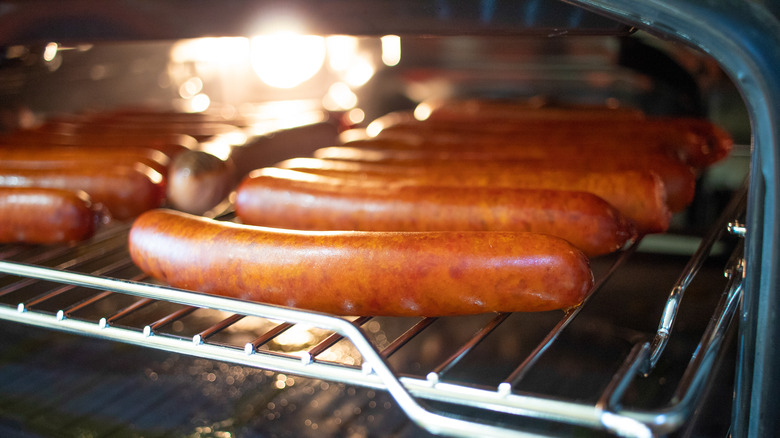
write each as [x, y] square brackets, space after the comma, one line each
[639, 196]
[45, 216]
[362, 273]
[125, 191]
[679, 179]
[284, 199]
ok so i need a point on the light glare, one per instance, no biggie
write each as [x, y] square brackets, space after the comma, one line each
[286, 60]
[391, 50]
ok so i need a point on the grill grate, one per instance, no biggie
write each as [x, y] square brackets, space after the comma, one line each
[93, 289]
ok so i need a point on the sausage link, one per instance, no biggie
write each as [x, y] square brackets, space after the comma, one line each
[51, 157]
[45, 216]
[679, 180]
[362, 273]
[639, 196]
[696, 142]
[125, 191]
[480, 109]
[289, 199]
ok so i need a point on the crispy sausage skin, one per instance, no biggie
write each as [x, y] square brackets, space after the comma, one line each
[362, 273]
[679, 179]
[288, 199]
[639, 196]
[125, 191]
[45, 216]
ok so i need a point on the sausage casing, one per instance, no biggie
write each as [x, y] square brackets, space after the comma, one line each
[696, 142]
[51, 157]
[678, 179]
[45, 216]
[125, 191]
[639, 196]
[288, 199]
[362, 273]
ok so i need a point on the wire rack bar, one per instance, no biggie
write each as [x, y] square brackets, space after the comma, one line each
[278, 329]
[216, 328]
[330, 341]
[168, 319]
[407, 336]
[736, 205]
[466, 348]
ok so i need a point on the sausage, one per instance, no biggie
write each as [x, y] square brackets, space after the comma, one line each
[362, 273]
[52, 157]
[124, 190]
[199, 181]
[156, 127]
[496, 117]
[679, 180]
[169, 144]
[481, 109]
[639, 196]
[289, 199]
[698, 144]
[45, 216]
[695, 141]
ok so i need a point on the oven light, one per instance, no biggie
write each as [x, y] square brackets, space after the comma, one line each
[391, 50]
[286, 60]
[341, 51]
[50, 52]
[223, 50]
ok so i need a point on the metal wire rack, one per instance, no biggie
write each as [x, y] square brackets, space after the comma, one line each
[93, 289]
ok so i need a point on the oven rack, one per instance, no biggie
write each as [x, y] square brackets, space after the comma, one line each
[56, 274]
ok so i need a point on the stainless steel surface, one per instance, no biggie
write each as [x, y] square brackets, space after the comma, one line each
[744, 37]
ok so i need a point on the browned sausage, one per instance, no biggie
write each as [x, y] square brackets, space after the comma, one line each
[679, 179]
[289, 199]
[168, 144]
[639, 196]
[199, 131]
[53, 157]
[476, 110]
[362, 273]
[125, 191]
[45, 216]
[694, 142]
[495, 117]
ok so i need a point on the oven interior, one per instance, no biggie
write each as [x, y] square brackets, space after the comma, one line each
[92, 347]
